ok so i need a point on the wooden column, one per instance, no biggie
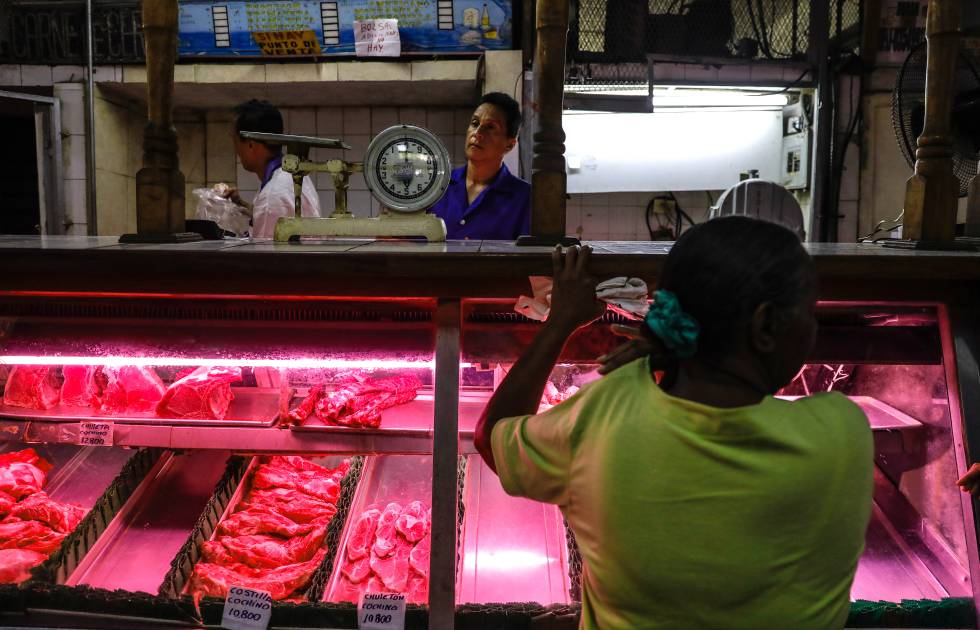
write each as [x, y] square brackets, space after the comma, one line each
[548, 165]
[931, 193]
[160, 184]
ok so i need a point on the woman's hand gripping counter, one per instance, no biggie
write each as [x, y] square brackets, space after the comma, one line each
[574, 305]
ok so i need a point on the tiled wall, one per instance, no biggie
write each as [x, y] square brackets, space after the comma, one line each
[621, 216]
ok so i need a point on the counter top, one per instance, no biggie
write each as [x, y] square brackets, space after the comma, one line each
[398, 268]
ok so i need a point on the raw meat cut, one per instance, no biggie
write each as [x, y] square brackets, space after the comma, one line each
[357, 570]
[16, 564]
[412, 523]
[263, 520]
[61, 517]
[395, 562]
[418, 590]
[128, 389]
[297, 506]
[361, 537]
[358, 402]
[204, 394]
[394, 570]
[419, 558]
[79, 388]
[274, 538]
[553, 396]
[32, 387]
[19, 479]
[34, 525]
[306, 407]
[29, 535]
[386, 536]
[281, 582]
[6, 502]
[313, 483]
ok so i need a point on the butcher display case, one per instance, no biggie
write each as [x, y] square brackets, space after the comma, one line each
[314, 437]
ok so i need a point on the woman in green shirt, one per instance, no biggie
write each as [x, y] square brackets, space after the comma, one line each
[700, 501]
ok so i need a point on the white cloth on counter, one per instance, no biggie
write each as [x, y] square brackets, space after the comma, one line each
[627, 296]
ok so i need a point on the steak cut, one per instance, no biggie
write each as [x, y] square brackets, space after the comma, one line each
[413, 522]
[60, 517]
[79, 388]
[16, 564]
[29, 535]
[32, 387]
[128, 389]
[419, 558]
[262, 520]
[325, 488]
[204, 394]
[418, 590]
[357, 570]
[280, 583]
[361, 537]
[394, 570]
[295, 505]
[6, 502]
[386, 536]
[19, 479]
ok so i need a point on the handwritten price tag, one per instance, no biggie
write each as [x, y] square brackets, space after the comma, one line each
[95, 433]
[377, 38]
[246, 609]
[381, 611]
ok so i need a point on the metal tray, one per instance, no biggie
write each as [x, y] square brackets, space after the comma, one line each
[136, 548]
[386, 478]
[251, 407]
[513, 549]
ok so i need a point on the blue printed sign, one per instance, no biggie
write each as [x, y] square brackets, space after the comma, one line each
[235, 27]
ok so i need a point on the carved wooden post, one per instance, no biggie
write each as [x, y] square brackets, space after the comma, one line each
[160, 184]
[931, 193]
[548, 165]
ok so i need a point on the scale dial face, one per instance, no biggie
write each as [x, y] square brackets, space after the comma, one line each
[407, 168]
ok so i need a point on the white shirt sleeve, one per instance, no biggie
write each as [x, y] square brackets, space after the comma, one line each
[278, 200]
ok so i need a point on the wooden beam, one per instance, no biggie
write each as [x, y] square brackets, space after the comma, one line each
[548, 180]
[160, 184]
[931, 194]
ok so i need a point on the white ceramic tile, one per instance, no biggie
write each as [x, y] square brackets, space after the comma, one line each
[382, 118]
[358, 146]
[851, 181]
[594, 200]
[221, 168]
[360, 203]
[412, 116]
[595, 223]
[35, 75]
[67, 74]
[330, 122]
[244, 178]
[439, 120]
[356, 120]
[357, 182]
[10, 74]
[326, 202]
[573, 219]
[302, 121]
[75, 201]
[73, 157]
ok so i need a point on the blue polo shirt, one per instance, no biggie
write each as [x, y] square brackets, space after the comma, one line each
[502, 212]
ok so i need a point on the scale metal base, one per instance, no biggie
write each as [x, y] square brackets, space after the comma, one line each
[415, 225]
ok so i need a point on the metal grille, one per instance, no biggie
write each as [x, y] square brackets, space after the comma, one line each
[608, 42]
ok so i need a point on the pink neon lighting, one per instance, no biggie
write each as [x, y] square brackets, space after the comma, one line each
[301, 362]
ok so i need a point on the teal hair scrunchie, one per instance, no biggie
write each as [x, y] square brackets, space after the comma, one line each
[678, 330]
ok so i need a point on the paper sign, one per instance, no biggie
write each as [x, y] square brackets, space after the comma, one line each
[246, 609]
[381, 611]
[377, 38]
[95, 433]
[282, 43]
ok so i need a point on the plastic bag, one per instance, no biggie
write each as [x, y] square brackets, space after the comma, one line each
[229, 216]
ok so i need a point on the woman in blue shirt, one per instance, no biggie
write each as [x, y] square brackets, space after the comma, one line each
[484, 200]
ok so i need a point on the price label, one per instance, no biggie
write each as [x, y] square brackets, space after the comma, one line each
[381, 611]
[95, 433]
[246, 609]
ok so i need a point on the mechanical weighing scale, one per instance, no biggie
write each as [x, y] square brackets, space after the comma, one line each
[406, 168]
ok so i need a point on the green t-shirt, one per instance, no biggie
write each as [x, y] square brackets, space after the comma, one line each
[689, 516]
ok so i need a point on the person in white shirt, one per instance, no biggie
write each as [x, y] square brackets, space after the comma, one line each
[276, 197]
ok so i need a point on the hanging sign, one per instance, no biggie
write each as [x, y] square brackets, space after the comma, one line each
[283, 43]
[377, 38]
